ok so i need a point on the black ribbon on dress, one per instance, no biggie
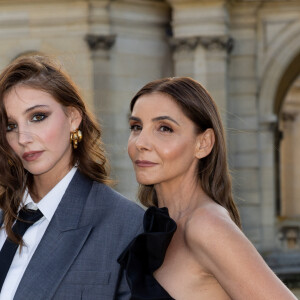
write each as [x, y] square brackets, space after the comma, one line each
[146, 253]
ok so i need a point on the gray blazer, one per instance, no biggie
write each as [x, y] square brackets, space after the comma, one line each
[77, 256]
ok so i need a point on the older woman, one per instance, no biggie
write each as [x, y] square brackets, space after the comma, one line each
[178, 151]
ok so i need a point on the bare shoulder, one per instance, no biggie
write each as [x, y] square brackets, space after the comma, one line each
[209, 219]
[210, 225]
[222, 250]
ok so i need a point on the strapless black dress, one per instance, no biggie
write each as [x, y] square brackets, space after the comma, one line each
[146, 253]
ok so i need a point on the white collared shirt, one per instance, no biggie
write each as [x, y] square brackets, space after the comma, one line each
[33, 235]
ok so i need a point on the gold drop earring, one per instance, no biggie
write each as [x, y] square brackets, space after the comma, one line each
[76, 137]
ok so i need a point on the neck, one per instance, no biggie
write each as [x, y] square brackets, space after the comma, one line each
[181, 198]
[44, 183]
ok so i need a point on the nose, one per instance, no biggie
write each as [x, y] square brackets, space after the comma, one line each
[24, 137]
[143, 141]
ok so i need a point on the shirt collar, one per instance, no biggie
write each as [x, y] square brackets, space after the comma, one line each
[50, 202]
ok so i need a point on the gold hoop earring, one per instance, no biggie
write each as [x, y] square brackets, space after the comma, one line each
[76, 137]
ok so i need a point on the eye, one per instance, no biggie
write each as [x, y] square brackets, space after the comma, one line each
[135, 127]
[11, 127]
[165, 128]
[38, 117]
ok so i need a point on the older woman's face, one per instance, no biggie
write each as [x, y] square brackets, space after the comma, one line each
[163, 142]
[38, 130]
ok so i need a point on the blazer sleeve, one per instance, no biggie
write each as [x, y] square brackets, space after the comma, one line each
[122, 290]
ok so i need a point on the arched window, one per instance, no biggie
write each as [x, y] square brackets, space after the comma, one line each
[287, 154]
[289, 125]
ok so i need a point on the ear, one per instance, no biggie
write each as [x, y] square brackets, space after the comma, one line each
[75, 117]
[205, 143]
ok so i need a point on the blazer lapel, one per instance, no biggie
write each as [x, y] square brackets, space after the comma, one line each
[59, 246]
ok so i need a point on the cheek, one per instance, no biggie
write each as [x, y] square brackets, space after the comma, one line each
[174, 150]
[52, 135]
[56, 133]
[12, 139]
[131, 148]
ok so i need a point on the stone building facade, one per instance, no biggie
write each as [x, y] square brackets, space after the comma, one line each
[245, 52]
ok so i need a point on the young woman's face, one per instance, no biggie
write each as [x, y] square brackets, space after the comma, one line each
[38, 130]
[163, 141]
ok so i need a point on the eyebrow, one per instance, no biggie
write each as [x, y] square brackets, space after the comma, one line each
[34, 107]
[165, 118]
[30, 109]
[155, 119]
[131, 118]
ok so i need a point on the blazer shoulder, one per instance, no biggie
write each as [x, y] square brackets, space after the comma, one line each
[115, 200]
[122, 216]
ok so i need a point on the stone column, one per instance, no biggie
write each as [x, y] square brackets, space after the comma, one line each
[129, 48]
[205, 60]
[265, 210]
[246, 139]
[201, 45]
[101, 46]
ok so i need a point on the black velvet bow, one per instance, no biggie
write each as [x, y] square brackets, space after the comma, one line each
[146, 253]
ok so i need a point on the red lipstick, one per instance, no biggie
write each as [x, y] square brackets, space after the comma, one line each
[32, 155]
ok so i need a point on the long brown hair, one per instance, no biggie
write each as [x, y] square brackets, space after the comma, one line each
[198, 106]
[45, 74]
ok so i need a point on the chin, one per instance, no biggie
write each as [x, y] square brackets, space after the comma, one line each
[38, 170]
[145, 181]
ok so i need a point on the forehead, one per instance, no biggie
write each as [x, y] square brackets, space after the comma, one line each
[156, 103]
[22, 97]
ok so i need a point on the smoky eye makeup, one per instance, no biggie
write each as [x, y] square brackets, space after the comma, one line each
[35, 117]
[39, 116]
[10, 127]
[38, 113]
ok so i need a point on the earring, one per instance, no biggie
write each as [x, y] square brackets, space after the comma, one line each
[76, 137]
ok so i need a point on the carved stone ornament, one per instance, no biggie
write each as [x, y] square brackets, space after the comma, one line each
[183, 43]
[209, 43]
[98, 41]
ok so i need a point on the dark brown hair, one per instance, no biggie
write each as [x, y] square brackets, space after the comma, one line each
[198, 106]
[45, 74]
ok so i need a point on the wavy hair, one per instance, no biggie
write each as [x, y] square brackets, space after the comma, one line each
[45, 74]
[200, 108]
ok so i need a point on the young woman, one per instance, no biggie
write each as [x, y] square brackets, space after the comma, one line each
[178, 152]
[62, 226]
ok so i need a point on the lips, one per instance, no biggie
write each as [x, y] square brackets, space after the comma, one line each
[32, 155]
[145, 163]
